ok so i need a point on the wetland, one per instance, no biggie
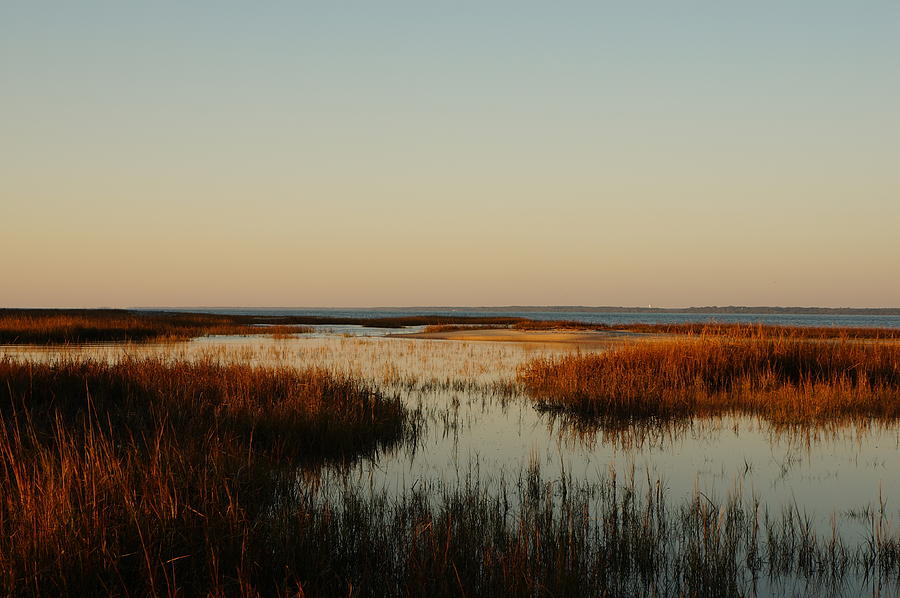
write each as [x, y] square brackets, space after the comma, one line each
[317, 461]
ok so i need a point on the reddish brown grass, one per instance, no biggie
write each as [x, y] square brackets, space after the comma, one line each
[84, 326]
[781, 379]
[150, 478]
[720, 329]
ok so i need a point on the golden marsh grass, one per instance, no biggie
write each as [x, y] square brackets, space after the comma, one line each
[782, 379]
[145, 477]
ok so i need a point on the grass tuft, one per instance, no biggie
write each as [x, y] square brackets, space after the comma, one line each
[148, 477]
[780, 379]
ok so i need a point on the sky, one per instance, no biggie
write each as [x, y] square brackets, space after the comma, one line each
[449, 153]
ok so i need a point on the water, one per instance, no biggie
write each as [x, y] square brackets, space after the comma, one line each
[796, 319]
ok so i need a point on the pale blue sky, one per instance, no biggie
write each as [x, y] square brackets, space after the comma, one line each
[293, 153]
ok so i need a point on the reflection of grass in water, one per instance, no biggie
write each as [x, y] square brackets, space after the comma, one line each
[640, 433]
[784, 380]
[626, 434]
[142, 476]
[534, 536]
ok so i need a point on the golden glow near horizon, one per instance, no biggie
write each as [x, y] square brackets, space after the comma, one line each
[404, 155]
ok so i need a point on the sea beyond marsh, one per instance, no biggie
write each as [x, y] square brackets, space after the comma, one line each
[343, 459]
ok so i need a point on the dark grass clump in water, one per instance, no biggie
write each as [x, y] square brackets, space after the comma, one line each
[283, 412]
[60, 326]
[146, 477]
[784, 380]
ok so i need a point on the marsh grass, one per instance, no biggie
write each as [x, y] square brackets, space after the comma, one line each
[719, 329]
[150, 477]
[783, 379]
[51, 326]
